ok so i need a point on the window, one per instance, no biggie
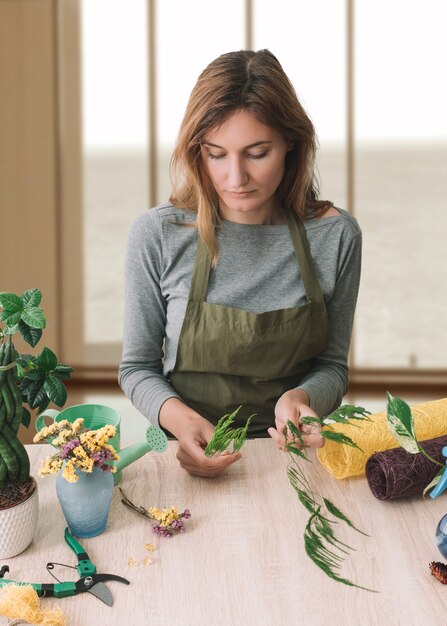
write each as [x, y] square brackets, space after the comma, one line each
[385, 162]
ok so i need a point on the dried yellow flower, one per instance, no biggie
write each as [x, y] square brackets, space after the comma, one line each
[77, 450]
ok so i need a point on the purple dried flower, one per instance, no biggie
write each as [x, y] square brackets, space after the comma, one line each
[101, 459]
[67, 448]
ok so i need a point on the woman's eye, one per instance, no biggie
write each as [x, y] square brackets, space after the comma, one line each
[215, 156]
[259, 155]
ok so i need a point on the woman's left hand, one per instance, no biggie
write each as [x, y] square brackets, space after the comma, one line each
[292, 406]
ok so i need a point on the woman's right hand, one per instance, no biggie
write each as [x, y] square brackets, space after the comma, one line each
[193, 433]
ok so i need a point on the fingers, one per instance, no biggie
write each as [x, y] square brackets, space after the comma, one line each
[278, 437]
[311, 436]
[192, 458]
[313, 440]
[204, 466]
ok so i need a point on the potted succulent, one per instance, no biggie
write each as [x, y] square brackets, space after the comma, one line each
[25, 381]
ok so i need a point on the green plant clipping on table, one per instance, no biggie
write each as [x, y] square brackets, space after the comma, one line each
[320, 541]
[225, 436]
[24, 379]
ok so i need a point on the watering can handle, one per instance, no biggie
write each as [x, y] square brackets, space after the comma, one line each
[40, 421]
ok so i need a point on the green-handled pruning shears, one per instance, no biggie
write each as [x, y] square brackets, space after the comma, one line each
[90, 581]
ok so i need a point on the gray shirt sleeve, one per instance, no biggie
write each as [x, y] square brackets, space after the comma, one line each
[141, 370]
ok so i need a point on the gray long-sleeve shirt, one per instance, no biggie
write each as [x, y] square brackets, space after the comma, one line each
[257, 271]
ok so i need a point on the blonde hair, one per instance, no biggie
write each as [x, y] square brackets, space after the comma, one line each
[254, 82]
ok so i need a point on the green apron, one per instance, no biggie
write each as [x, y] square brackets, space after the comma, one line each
[228, 357]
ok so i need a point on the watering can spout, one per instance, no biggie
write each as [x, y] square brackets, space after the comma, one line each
[155, 440]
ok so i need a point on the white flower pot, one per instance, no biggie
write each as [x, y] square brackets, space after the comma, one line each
[18, 525]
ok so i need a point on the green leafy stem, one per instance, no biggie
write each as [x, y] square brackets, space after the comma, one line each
[225, 436]
[320, 541]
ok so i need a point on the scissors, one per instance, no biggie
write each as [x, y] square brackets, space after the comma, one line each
[89, 580]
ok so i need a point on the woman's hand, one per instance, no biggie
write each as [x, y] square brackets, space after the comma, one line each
[292, 406]
[193, 433]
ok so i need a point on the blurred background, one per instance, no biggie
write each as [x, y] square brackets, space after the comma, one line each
[92, 96]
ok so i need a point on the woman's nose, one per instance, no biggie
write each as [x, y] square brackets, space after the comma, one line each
[237, 174]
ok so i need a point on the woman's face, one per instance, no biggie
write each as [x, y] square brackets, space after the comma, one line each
[245, 161]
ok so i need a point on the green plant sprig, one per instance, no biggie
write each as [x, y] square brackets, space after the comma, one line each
[320, 542]
[401, 425]
[345, 414]
[224, 435]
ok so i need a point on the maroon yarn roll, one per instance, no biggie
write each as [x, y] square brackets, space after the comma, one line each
[396, 473]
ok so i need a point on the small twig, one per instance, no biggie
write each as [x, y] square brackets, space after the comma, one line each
[125, 500]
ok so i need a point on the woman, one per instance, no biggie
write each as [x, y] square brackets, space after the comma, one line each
[241, 290]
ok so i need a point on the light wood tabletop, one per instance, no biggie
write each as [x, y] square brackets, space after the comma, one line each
[241, 560]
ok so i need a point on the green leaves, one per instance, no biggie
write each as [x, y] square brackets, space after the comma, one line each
[34, 381]
[301, 487]
[401, 424]
[320, 542]
[337, 513]
[300, 449]
[30, 335]
[34, 317]
[23, 313]
[55, 390]
[339, 438]
[10, 302]
[41, 382]
[224, 435]
[31, 297]
[39, 377]
[346, 413]
[47, 360]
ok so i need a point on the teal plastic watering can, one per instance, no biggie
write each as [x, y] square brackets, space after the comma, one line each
[98, 415]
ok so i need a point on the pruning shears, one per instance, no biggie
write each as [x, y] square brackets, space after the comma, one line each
[89, 580]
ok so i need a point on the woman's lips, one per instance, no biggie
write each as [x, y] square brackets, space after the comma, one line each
[240, 194]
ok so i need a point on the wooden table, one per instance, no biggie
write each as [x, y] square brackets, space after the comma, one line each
[241, 561]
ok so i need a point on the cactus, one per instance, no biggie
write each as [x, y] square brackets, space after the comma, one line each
[24, 380]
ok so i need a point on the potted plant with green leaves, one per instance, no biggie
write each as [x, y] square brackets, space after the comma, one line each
[27, 383]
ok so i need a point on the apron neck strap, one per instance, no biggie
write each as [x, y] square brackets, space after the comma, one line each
[302, 251]
[202, 264]
[201, 273]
